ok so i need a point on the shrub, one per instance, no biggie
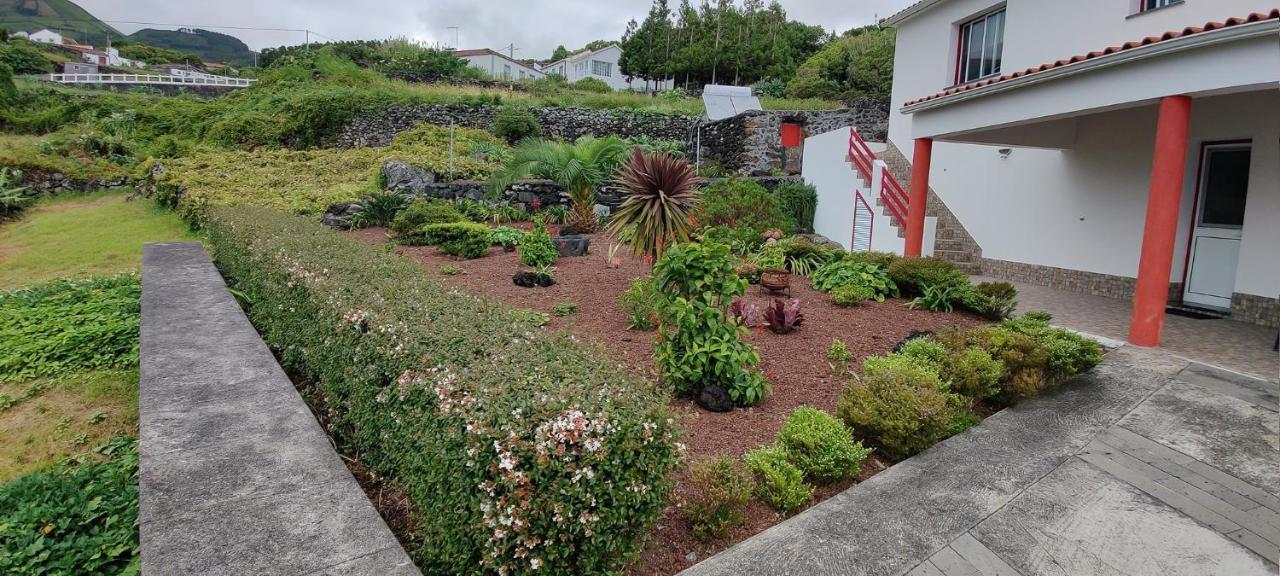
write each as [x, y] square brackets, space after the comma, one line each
[912, 275]
[903, 408]
[640, 301]
[852, 295]
[699, 344]
[881, 259]
[778, 482]
[724, 490]
[14, 198]
[564, 308]
[1034, 355]
[847, 272]
[969, 371]
[68, 325]
[450, 270]
[661, 196]
[991, 301]
[741, 204]
[798, 201]
[783, 317]
[380, 209]
[516, 123]
[538, 250]
[595, 85]
[456, 238]
[458, 400]
[839, 351]
[423, 212]
[820, 445]
[748, 314]
[80, 517]
[939, 298]
[506, 236]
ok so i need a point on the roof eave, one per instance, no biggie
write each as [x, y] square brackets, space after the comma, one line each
[910, 12]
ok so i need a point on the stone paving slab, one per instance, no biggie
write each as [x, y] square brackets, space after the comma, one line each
[236, 475]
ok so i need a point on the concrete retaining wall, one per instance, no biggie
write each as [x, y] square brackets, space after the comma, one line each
[237, 477]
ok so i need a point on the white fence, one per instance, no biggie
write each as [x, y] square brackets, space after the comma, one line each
[150, 79]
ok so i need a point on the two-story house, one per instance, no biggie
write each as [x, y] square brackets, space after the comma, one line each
[1129, 148]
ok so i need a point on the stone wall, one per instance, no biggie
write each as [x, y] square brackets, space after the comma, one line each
[563, 123]
[55, 183]
[751, 143]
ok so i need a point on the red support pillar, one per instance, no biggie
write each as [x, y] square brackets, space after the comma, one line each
[1168, 168]
[919, 196]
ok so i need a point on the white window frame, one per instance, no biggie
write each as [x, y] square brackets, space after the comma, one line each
[1150, 5]
[580, 69]
[962, 47]
[607, 66]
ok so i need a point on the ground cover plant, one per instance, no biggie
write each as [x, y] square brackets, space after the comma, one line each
[80, 517]
[535, 438]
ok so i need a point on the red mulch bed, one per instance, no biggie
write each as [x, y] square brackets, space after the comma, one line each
[796, 365]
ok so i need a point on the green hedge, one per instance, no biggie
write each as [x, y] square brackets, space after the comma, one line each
[521, 451]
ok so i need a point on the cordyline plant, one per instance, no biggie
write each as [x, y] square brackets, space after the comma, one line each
[579, 168]
[658, 209]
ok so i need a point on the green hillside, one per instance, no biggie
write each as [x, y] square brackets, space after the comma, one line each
[62, 16]
[209, 46]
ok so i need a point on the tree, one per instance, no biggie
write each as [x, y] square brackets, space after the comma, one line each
[559, 54]
[858, 64]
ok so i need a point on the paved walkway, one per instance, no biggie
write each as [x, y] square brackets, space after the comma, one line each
[236, 476]
[1233, 345]
[1146, 465]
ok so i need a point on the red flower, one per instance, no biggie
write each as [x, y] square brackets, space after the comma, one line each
[535, 204]
[648, 259]
[693, 221]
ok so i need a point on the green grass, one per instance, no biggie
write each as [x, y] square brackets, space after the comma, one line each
[86, 235]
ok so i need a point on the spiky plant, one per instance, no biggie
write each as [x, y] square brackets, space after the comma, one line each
[579, 168]
[661, 197]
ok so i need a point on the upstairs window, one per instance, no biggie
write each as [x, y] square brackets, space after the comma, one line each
[1153, 4]
[599, 68]
[981, 47]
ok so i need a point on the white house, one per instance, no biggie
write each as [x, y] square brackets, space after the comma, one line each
[46, 36]
[601, 64]
[1129, 148]
[497, 65]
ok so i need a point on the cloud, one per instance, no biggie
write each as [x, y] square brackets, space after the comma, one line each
[535, 27]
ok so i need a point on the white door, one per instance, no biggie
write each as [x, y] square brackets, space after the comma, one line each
[1219, 216]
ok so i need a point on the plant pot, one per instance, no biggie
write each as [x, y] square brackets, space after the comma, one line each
[776, 280]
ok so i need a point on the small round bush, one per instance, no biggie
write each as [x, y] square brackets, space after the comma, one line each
[820, 445]
[640, 301]
[881, 259]
[741, 204]
[592, 85]
[515, 123]
[724, 490]
[851, 295]
[423, 212]
[973, 373]
[903, 410]
[538, 249]
[778, 482]
[925, 349]
[912, 275]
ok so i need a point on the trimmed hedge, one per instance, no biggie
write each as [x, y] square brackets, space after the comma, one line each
[522, 452]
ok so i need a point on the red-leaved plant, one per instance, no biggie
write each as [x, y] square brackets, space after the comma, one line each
[747, 313]
[783, 317]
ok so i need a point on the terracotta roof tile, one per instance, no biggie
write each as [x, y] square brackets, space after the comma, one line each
[1188, 31]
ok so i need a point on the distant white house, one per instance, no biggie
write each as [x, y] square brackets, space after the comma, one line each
[182, 71]
[600, 64]
[21, 34]
[47, 36]
[497, 65]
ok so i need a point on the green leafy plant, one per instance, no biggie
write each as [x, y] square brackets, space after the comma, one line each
[853, 294]
[658, 207]
[938, 298]
[747, 313]
[699, 344]
[881, 259]
[820, 445]
[462, 239]
[380, 209]
[839, 356]
[778, 482]
[640, 301]
[538, 249]
[783, 317]
[579, 167]
[13, 197]
[799, 201]
[515, 123]
[913, 275]
[993, 300]
[410, 219]
[66, 325]
[590, 84]
[903, 407]
[741, 204]
[80, 517]
[724, 490]
[396, 356]
[449, 270]
[507, 237]
[847, 272]
[564, 308]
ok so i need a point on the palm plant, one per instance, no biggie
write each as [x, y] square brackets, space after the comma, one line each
[579, 168]
[658, 208]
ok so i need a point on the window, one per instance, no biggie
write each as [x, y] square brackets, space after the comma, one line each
[506, 71]
[580, 69]
[601, 68]
[981, 47]
[1145, 5]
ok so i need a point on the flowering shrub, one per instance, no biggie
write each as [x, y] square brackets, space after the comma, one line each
[522, 452]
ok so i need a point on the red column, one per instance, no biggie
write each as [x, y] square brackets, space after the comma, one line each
[1168, 169]
[919, 195]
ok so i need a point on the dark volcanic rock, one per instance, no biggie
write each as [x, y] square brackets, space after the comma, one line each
[715, 399]
[532, 279]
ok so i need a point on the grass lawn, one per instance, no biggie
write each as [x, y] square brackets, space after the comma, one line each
[45, 420]
[84, 235]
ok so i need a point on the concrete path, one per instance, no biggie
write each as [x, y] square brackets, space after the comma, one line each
[1146, 465]
[237, 477]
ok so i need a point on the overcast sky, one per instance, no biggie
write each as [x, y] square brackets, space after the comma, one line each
[535, 26]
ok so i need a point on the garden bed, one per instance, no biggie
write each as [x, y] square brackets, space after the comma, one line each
[796, 364]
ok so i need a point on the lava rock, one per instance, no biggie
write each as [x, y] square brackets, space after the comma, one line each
[576, 245]
[912, 336]
[339, 215]
[715, 399]
[407, 178]
[532, 279]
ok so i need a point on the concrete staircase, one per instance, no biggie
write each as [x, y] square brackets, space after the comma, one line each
[952, 242]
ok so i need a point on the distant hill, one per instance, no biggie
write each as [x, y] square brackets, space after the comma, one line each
[61, 16]
[209, 46]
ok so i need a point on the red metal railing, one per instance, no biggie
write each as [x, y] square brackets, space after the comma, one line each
[891, 192]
